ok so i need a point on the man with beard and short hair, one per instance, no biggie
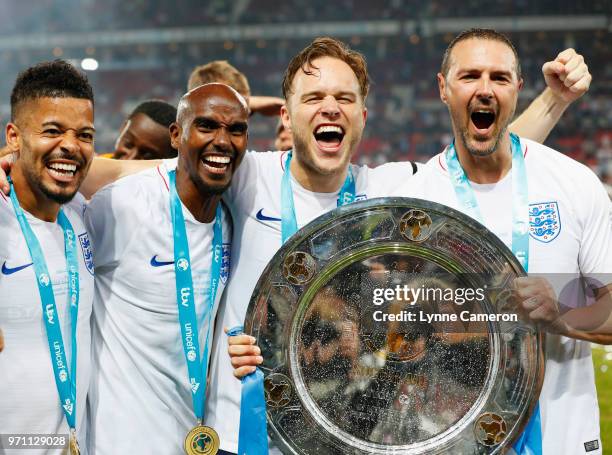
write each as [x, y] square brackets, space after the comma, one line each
[486, 172]
[143, 338]
[46, 280]
[144, 134]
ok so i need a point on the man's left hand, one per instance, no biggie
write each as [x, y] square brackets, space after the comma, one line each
[567, 76]
[538, 301]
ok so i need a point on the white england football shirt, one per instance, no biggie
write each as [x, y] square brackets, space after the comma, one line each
[570, 233]
[255, 202]
[29, 401]
[140, 398]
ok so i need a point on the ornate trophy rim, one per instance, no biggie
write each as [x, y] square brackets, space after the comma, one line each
[442, 441]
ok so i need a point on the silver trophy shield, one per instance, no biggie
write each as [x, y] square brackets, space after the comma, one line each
[357, 360]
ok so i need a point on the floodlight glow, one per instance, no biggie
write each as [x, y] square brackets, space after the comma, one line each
[89, 64]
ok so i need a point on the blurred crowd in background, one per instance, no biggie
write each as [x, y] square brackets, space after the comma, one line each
[400, 39]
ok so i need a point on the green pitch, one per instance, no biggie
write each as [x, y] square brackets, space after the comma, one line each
[602, 361]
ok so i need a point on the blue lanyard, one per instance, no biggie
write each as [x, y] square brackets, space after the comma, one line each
[288, 219]
[520, 201]
[196, 367]
[65, 381]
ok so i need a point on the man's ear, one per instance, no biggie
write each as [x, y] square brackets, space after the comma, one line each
[284, 114]
[13, 137]
[442, 87]
[175, 135]
[121, 132]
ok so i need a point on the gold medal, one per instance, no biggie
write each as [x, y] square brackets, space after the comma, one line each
[74, 445]
[202, 440]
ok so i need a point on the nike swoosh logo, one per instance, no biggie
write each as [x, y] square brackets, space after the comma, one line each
[156, 263]
[261, 217]
[8, 271]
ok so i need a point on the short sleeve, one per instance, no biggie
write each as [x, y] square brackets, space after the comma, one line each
[596, 242]
[111, 218]
[244, 179]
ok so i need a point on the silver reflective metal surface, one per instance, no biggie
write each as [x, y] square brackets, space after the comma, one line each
[339, 382]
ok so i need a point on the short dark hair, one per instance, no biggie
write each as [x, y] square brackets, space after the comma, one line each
[157, 110]
[479, 33]
[327, 47]
[219, 71]
[56, 79]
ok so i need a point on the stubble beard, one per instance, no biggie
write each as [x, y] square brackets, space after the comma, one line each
[206, 189]
[35, 181]
[476, 152]
[464, 136]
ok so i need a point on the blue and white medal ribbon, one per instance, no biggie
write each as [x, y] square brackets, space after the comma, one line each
[65, 380]
[530, 442]
[520, 202]
[253, 433]
[197, 367]
[288, 219]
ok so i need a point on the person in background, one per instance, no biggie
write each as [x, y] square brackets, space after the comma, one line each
[144, 134]
[225, 73]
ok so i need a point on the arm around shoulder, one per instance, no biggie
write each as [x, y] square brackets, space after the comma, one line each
[114, 217]
[104, 171]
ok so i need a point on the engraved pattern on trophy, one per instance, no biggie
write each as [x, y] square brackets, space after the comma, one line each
[299, 268]
[339, 382]
[490, 429]
[416, 225]
[278, 390]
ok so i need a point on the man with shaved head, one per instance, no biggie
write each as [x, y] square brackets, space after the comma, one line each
[162, 242]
